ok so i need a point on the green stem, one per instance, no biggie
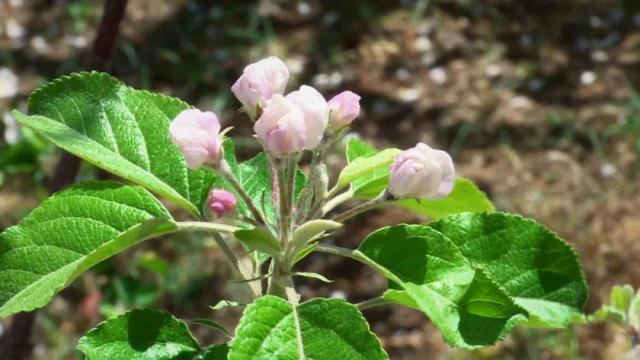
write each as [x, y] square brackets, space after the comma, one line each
[284, 203]
[357, 256]
[332, 203]
[236, 264]
[376, 301]
[336, 250]
[308, 196]
[225, 169]
[206, 226]
[281, 271]
[373, 203]
[334, 191]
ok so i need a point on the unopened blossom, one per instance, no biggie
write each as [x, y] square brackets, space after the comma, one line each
[281, 127]
[197, 134]
[343, 109]
[293, 123]
[316, 114]
[422, 172]
[221, 202]
[259, 82]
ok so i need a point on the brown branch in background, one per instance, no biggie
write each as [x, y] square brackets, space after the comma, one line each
[16, 344]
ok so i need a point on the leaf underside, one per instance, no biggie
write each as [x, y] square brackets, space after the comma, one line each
[120, 129]
[70, 232]
[478, 274]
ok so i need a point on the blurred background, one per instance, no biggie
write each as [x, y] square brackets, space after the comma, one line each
[535, 100]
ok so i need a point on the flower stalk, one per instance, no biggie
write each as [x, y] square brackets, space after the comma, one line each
[371, 204]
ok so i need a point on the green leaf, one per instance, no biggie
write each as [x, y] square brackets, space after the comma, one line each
[259, 239]
[215, 352]
[225, 303]
[373, 183]
[465, 197]
[304, 253]
[310, 231]
[330, 329]
[122, 130]
[313, 275]
[69, 233]
[618, 310]
[255, 177]
[367, 169]
[478, 274]
[210, 324]
[140, 335]
[621, 297]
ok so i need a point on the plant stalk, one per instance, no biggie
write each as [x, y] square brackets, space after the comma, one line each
[376, 301]
[214, 229]
[334, 202]
[281, 269]
[206, 226]
[371, 204]
[238, 265]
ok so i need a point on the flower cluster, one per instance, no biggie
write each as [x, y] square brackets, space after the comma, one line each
[287, 124]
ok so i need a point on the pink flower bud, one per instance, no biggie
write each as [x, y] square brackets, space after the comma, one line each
[221, 202]
[422, 172]
[281, 127]
[259, 82]
[197, 134]
[344, 108]
[316, 114]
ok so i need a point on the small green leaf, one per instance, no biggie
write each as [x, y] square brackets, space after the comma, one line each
[619, 309]
[140, 335]
[330, 329]
[210, 324]
[309, 231]
[225, 303]
[259, 239]
[69, 233]
[621, 297]
[364, 168]
[478, 274]
[122, 130]
[313, 275]
[304, 252]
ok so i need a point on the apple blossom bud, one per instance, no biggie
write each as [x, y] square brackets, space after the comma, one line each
[281, 127]
[221, 202]
[259, 82]
[422, 172]
[197, 134]
[344, 108]
[316, 114]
